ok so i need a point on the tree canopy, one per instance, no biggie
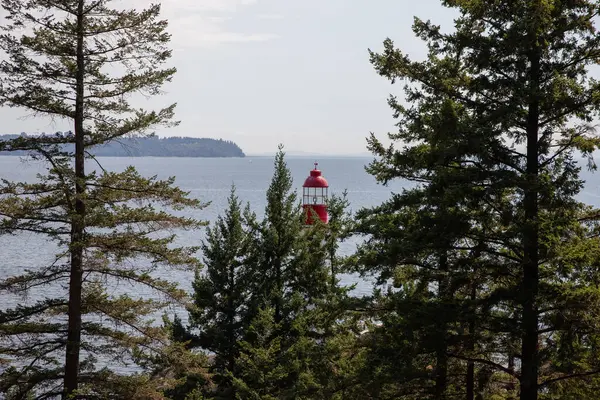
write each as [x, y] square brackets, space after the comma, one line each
[487, 254]
[110, 228]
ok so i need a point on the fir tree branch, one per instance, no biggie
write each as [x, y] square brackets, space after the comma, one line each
[485, 362]
[548, 382]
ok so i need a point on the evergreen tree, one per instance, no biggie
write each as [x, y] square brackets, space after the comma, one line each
[282, 287]
[269, 306]
[284, 350]
[339, 228]
[515, 75]
[341, 353]
[219, 315]
[107, 224]
[417, 240]
[220, 295]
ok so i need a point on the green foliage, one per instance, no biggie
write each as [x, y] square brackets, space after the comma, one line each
[220, 312]
[120, 246]
[111, 228]
[268, 305]
[485, 255]
[294, 344]
[51, 56]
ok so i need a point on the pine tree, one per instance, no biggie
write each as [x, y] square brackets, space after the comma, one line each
[220, 294]
[120, 245]
[417, 239]
[516, 72]
[219, 315]
[107, 224]
[340, 354]
[283, 351]
[268, 368]
[269, 306]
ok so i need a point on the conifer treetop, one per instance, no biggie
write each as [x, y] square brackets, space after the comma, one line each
[124, 53]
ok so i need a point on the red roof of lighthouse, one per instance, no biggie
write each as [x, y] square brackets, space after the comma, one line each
[315, 179]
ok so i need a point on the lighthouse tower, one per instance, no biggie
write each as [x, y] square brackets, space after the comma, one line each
[314, 196]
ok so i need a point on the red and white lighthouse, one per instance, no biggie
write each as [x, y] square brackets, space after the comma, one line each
[314, 196]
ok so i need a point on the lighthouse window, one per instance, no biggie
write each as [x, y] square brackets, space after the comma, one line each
[312, 195]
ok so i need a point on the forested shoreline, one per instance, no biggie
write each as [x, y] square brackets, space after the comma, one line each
[152, 146]
[486, 269]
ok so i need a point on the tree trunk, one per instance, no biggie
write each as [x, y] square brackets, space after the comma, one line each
[441, 371]
[529, 290]
[77, 226]
[470, 380]
[510, 388]
[471, 347]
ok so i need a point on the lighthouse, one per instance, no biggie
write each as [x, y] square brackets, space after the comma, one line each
[314, 196]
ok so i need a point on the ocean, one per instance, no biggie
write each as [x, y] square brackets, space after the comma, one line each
[208, 179]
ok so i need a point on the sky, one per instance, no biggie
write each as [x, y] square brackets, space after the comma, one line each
[265, 72]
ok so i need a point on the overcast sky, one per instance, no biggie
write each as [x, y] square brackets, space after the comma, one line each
[263, 72]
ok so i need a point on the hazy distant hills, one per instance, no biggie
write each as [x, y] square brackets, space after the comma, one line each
[153, 146]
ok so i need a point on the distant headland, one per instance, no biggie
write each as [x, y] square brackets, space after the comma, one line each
[154, 146]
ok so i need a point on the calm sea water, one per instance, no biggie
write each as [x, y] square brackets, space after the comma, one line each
[210, 180]
[207, 179]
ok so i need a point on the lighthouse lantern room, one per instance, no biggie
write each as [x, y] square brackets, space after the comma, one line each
[314, 196]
